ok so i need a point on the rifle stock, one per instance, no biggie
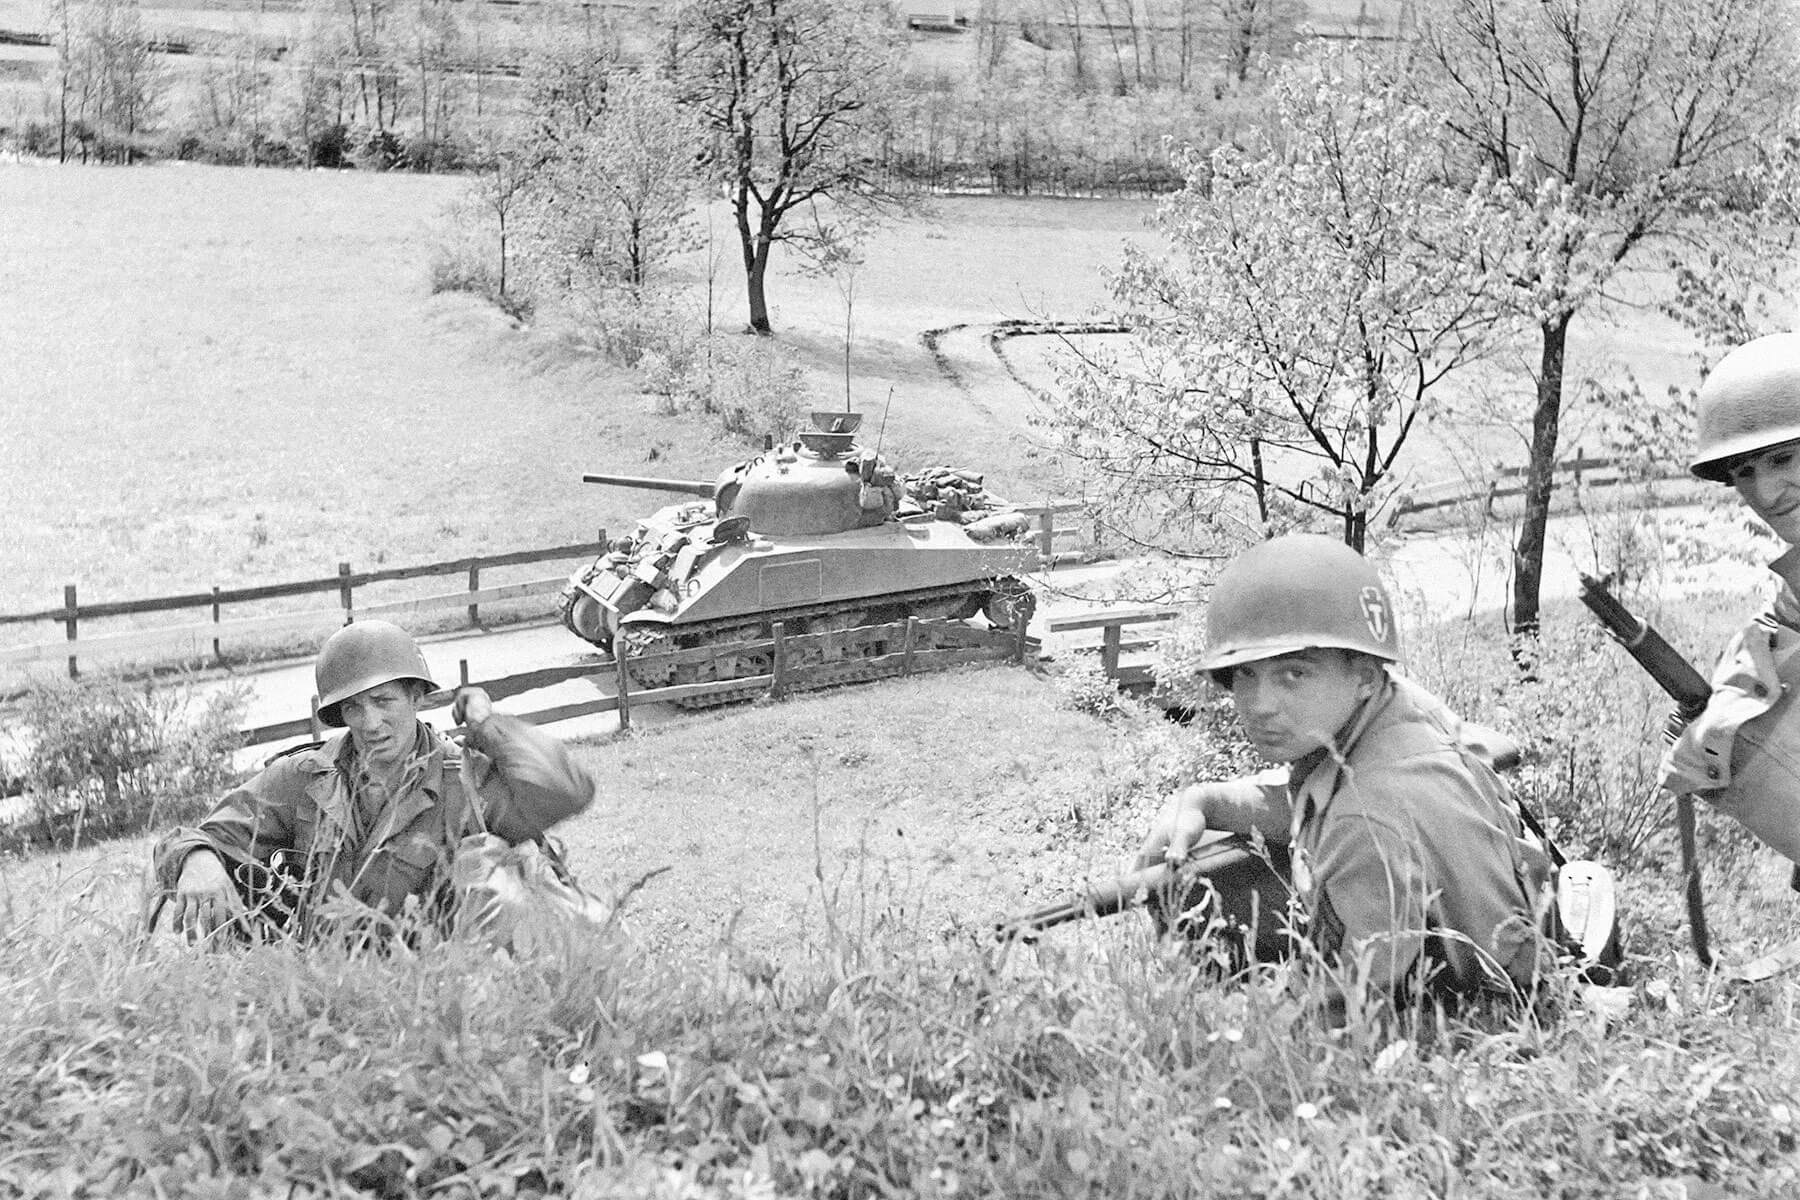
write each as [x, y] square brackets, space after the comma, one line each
[1690, 691]
[1130, 890]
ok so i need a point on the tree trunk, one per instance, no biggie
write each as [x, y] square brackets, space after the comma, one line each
[756, 261]
[1540, 478]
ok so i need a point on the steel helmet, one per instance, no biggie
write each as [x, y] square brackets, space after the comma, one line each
[1750, 402]
[361, 656]
[1295, 592]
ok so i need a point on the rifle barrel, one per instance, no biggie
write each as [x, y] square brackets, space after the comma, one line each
[1130, 890]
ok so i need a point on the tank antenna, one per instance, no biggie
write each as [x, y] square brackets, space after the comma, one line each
[882, 432]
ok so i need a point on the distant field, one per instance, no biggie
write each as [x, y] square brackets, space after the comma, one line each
[218, 375]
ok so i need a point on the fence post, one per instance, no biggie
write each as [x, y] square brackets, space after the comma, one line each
[462, 672]
[1021, 622]
[474, 586]
[344, 591]
[778, 684]
[1047, 536]
[619, 661]
[906, 647]
[69, 620]
[1109, 650]
[218, 653]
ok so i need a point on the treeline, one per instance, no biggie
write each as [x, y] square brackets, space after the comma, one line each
[1019, 96]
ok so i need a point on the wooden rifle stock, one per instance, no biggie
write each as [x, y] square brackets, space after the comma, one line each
[1689, 689]
[1129, 891]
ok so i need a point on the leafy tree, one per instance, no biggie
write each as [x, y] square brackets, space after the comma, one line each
[1617, 124]
[1291, 339]
[791, 91]
[613, 196]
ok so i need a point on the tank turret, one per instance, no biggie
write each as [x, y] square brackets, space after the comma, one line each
[819, 533]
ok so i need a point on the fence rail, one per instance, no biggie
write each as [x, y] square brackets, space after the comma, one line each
[1112, 623]
[200, 639]
[1504, 483]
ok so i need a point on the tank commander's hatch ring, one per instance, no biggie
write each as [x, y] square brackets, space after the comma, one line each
[836, 422]
[731, 529]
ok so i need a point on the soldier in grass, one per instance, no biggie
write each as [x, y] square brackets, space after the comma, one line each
[1390, 841]
[1743, 752]
[366, 823]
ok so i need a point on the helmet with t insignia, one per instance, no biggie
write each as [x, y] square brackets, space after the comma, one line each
[1293, 593]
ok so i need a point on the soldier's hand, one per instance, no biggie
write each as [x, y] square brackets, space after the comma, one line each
[1180, 825]
[204, 898]
[471, 707]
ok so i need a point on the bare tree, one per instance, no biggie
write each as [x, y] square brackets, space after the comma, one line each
[1252, 28]
[106, 67]
[791, 91]
[1618, 124]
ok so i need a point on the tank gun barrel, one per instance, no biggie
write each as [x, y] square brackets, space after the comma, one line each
[691, 487]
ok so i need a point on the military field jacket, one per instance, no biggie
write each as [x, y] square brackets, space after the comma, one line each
[523, 781]
[1405, 846]
[1742, 753]
[1408, 848]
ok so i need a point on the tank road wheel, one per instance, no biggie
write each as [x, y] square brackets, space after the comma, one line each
[1010, 600]
[584, 616]
[635, 643]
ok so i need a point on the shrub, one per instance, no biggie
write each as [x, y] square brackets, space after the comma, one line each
[329, 147]
[623, 326]
[374, 149]
[751, 386]
[102, 757]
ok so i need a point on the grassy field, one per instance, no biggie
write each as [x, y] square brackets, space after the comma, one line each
[218, 375]
[226, 376]
[809, 1003]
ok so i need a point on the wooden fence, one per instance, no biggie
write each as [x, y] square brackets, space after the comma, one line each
[208, 639]
[1112, 623]
[203, 639]
[800, 662]
[1508, 482]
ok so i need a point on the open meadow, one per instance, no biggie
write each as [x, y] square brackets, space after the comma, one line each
[229, 376]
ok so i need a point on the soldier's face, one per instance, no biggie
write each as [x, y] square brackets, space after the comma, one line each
[381, 722]
[1769, 482]
[1294, 704]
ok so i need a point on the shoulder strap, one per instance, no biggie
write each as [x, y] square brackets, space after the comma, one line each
[461, 799]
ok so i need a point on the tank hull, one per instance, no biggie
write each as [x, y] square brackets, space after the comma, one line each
[817, 536]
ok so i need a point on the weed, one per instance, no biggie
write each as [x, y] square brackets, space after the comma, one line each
[104, 758]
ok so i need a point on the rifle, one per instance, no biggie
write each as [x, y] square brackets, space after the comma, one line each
[1138, 887]
[1221, 852]
[1689, 689]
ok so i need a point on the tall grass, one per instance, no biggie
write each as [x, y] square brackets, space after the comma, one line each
[878, 1054]
[1100, 1065]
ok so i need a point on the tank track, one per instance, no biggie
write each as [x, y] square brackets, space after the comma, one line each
[956, 602]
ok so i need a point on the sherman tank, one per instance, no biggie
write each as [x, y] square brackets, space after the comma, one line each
[819, 534]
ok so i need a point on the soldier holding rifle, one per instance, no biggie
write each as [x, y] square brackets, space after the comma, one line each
[1397, 840]
[1742, 752]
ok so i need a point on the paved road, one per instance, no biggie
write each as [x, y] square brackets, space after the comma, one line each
[283, 692]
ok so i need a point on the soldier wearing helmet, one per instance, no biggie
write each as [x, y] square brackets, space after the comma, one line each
[371, 815]
[1743, 752]
[1388, 835]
